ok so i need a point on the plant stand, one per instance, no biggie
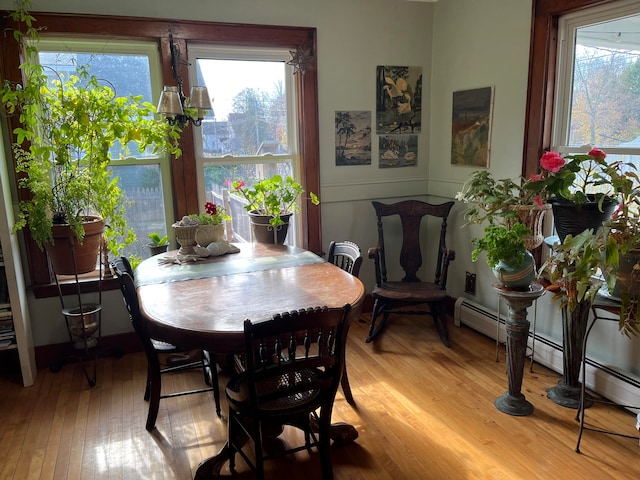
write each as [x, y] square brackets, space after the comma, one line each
[513, 401]
[83, 321]
[574, 326]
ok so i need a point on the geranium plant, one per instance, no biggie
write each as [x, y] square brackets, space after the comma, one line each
[576, 178]
[274, 197]
[213, 215]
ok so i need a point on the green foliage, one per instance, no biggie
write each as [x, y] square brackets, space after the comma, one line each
[273, 196]
[493, 200]
[156, 240]
[68, 128]
[501, 243]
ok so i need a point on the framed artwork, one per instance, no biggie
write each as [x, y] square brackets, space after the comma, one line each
[471, 127]
[398, 151]
[398, 100]
[353, 138]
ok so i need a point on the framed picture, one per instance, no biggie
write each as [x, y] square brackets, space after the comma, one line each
[398, 100]
[353, 138]
[471, 127]
[398, 151]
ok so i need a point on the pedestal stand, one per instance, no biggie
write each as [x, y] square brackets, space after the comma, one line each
[83, 321]
[574, 324]
[513, 401]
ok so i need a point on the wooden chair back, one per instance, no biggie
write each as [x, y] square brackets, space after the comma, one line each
[411, 213]
[346, 255]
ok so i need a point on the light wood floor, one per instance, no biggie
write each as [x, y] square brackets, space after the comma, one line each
[424, 412]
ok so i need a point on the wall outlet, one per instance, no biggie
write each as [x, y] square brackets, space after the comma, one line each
[470, 283]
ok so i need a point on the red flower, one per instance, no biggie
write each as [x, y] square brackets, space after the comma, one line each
[538, 201]
[238, 185]
[552, 161]
[211, 208]
[596, 152]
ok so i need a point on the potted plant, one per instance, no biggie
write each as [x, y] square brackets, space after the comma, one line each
[200, 228]
[270, 203]
[573, 270]
[621, 236]
[512, 264]
[69, 128]
[503, 202]
[579, 187]
[158, 243]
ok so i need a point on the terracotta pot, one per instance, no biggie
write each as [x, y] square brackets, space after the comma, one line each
[67, 255]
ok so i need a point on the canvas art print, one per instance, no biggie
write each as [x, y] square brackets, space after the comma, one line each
[398, 151]
[471, 127]
[353, 138]
[398, 100]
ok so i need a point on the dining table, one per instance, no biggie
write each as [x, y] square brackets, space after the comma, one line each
[202, 302]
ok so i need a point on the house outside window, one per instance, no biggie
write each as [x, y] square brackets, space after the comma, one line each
[252, 133]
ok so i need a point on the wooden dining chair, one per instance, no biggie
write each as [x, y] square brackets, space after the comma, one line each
[348, 256]
[405, 295]
[177, 359]
[293, 365]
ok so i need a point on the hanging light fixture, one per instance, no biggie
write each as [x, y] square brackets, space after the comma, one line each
[174, 104]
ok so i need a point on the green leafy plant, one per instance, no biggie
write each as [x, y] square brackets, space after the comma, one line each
[274, 197]
[68, 128]
[157, 241]
[495, 201]
[501, 243]
[213, 215]
[574, 268]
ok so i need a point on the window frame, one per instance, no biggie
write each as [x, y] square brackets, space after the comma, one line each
[183, 170]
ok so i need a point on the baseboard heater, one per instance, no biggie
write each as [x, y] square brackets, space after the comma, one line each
[611, 384]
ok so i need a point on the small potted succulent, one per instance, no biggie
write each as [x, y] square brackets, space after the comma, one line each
[158, 243]
[270, 203]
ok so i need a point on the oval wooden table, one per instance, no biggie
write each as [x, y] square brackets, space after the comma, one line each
[203, 304]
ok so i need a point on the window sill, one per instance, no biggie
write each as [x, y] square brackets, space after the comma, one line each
[87, 285]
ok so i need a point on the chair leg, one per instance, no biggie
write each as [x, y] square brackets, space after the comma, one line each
[378, 308]
[324, 445]
[155, 387]
[346, 388]
[211, 377]
[440, 320]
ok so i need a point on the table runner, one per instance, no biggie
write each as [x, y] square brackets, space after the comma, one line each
[149, 273]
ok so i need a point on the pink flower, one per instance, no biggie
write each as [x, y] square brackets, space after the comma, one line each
[535, 177]
[538, 201]
[238, 185]
[596, 152]
[552, 161]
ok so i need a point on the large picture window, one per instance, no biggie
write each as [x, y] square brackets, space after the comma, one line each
[182, 180]
[598, 82]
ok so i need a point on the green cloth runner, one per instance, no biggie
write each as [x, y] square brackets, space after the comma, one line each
[151, 272]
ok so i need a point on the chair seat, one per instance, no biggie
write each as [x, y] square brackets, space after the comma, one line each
[273, 391]
[410, 291]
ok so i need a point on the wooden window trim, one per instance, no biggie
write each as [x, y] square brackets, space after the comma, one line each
[183, 170]
[542, 75]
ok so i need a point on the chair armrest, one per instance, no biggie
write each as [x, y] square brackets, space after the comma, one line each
[448, 255]
[373, 252]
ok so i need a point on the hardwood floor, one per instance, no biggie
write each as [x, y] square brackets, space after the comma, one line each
[424, 412]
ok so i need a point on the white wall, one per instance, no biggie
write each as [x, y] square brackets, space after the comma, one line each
[354, 37]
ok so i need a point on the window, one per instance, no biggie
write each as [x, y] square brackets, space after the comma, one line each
[178, 177]
[251, 134]
[598, 82]
[130, 68]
